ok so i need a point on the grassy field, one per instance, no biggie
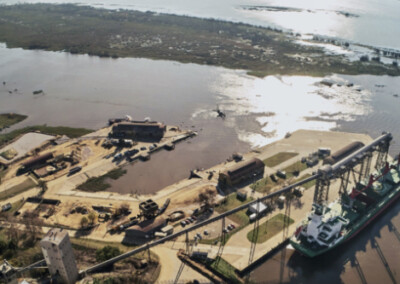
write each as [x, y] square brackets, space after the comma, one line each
[95, 184]
[264, 185]
[279, 158]
[223, 267]
[50, 130]
[24, 186]
[270, 228]
[240, 218]
[309, 184]
[297, 166]
[8, 119]
[123, 33]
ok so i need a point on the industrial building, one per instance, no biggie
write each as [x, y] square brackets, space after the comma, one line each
[60, 259]
[148, 208]
[145, 229]
[240, 172]
[35, 163]
[343, 152]
[138, 130]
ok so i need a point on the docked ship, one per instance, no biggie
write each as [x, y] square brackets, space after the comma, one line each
[328, 226]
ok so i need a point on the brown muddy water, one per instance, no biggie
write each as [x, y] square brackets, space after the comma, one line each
[371, 257]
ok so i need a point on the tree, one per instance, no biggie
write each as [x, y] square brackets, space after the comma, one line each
[207, 197]
[3, 245]
[92, 217]
[84, 221]
[106, 253]
[43, 185]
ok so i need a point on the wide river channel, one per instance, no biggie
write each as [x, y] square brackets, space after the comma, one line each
[84, 91]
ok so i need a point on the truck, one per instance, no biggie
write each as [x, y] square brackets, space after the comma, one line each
[74, 170]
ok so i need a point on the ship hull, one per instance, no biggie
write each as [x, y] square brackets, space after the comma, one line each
[358, 227]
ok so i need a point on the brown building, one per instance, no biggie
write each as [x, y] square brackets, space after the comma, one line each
[240, 172]
[138, 130]
[35, 163]
[342, 153]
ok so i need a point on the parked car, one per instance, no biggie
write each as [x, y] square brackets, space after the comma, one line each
[233, 226]
[281, 174]
[206, 232]
[6, 207]
[74, 170]
[118, 157]
[183, 223]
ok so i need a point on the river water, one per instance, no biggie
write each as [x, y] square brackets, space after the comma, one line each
[84, 91]
[369, 22]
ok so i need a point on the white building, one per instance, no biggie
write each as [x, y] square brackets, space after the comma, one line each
[258, 207]
[60, 259]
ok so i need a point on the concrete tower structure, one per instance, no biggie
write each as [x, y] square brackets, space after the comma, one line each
[60, 259]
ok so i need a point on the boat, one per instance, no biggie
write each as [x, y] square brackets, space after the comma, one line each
[328, 226]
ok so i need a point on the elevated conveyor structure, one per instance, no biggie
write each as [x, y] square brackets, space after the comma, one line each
[341, 169]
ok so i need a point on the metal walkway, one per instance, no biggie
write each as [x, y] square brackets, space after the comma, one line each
[325, 173]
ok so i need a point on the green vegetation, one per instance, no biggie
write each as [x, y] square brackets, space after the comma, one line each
[297, 166]
[96, 244]
[270, 228]
[123, 33]
[240, 218]
[279, 158]
[9, 154]
[50, 130]
[20, 248]
[95, 184]
[24, 186]
[106, 253]
[8, 119]
[230, 202]
[309, 184]
[223, 267]
[264, 185]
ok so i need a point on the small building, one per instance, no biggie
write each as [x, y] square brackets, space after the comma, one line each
[323, 152]
[241, 194]
[241, 172]
[138, 130]
[59, 256]
[262, 208]
[148, 208]
[175, 216]
[36, 162]
[201, 255]
[169, 229]
[145, 229]
[343, 152]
